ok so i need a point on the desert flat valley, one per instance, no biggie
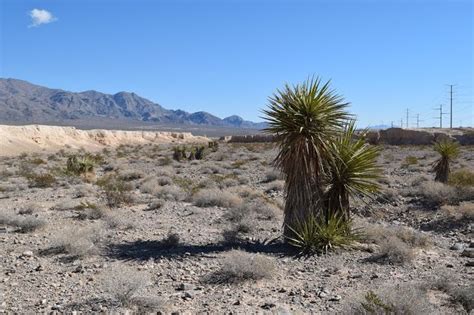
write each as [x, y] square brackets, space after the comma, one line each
[143, 230]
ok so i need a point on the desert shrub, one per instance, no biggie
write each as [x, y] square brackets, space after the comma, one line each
[41, 180]
[253, 209]
[437, 192]
[179, 153]
[378, 234]
[149, 185]
[164, 161]
[172, 239]
[28, 209]
[124, 283]
[393, 251]
[117, 192]
[272, 175]
[213, 146]
[83, 190]
[171, 193]
[117, 220]
[164, 180]
[406, 300]
[130, 175]
[90, 211]
[22, 224]
[411, 160]
[155, 205]
[79, 241]
[461, 178]
[216, 197]
[413, 238]
[239, 266]
[79, 165]
[463, 295]
[465, 210]
[315, 234]
[197, 153]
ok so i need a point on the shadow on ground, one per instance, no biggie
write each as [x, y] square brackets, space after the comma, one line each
[144, 250]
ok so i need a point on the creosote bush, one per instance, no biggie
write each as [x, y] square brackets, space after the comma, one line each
[117, 192]
[239, 266]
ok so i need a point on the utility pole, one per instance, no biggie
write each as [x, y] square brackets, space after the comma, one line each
[417, 121]
[407, 118]
[451, 105]
[440, 108]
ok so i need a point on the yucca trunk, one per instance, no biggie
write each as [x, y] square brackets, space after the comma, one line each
[304, 186]
[442, 170]
[337, 204]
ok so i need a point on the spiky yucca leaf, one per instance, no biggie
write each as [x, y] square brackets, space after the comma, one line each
[304, 118]
[353, 171]
[315, 235]
[448, 151]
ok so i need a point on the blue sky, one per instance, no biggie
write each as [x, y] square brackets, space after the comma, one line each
[227, 57]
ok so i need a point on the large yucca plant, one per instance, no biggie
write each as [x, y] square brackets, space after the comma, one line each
[352, 171]
[304, 118]
[448, 151]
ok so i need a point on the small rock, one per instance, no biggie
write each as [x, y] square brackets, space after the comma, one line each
[27, 253]
[457, 246]
[449, 266]
[335, 298]
[268, 306]
[188, 296]
[183, 287]
[470, 263]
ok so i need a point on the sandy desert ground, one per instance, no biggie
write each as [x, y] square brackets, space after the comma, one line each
[146, 233]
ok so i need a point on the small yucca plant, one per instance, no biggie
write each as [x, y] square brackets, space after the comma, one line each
[316, 235]
[81, 165]
[353, 171]
[448, 151]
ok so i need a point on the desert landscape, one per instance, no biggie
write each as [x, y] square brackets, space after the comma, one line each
[146, 231]
[237, 157]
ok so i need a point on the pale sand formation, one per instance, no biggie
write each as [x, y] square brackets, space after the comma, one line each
[15, 140]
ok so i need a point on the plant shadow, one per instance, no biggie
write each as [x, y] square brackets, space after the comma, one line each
[144, 250]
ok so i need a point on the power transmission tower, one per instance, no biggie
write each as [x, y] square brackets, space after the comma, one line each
[440, 108]
[418, 121]
[391, 125]
[407, 118]
[451, 106]
[401, 123]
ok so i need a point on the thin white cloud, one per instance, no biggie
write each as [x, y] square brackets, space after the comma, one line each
[39, 17]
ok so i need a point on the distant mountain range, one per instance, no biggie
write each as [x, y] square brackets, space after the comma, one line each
[24, 102]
